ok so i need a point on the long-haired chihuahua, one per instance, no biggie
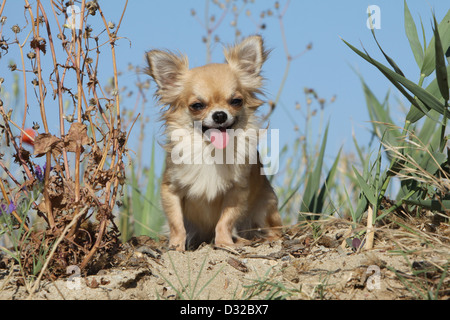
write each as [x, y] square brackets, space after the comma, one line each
[213, 188]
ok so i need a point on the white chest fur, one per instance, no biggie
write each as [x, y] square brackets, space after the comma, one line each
[205, 172]
[207, 180]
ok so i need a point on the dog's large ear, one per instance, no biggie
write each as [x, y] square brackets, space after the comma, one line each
[247, 59]
[167, 69]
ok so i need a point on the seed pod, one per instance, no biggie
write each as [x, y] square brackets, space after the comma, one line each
[31, 55]
[15, 28]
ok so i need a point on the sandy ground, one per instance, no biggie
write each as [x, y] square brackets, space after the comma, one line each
[298, 266]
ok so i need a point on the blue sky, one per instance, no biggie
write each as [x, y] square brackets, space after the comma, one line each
[329, 68]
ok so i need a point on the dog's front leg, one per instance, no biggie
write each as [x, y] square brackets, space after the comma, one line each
[171, 203]
[234, 206]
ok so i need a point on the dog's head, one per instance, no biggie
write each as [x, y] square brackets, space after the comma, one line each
[220, 96]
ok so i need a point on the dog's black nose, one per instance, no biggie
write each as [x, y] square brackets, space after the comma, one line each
[219, 117]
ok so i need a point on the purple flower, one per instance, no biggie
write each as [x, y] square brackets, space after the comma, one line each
[39, 173]
[12, 207]
[3, 209]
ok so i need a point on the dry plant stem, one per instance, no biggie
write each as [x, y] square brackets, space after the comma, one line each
[25, 94]
[210, 30]
[113, 135]
[370, 230]
[39, 70]
[104, 156]
[13, 141]
[70, 57]
[77, 41]
[90, 121]
[35, 28]
[24, 133]
[59, 90]
[91, 253]
[79, 105]
[116, 85]
[113, 53]
[9, 174]
[121, 17]
[2, 7]
[289, 58]
[55, 245]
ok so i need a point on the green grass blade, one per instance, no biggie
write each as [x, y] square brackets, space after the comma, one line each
[399, 81]
[136, 205]
[424, 38]
[416, 114]
[413, 37]
[436, 205]
[151, 212]
[432, 162]
[359, 151]
[147, 200]
[430, 55]
[395, 83]
[441, 69]
[309, 200]
[328, 182]
[367, 190]
[291, 194]
[380, 118]
[125, 214]
[388, 59]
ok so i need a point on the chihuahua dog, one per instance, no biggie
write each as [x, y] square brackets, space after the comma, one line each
[204, 109]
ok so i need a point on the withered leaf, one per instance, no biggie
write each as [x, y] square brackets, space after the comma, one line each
[97, 154]
[77, 135]
[237, 264]
[24, 155]
[46, 142]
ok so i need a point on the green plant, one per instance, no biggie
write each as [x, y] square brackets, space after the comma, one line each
[23, 247]
[142, 213]
[314, 197]
[300, 183]
[416, 152]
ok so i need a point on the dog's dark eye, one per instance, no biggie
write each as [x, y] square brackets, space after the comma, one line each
[197, 106]
[237, 102]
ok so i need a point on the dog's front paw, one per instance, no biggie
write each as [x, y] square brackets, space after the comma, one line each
[177, 243]
[224, 241]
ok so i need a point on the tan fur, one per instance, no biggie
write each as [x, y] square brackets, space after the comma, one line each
[210, 201]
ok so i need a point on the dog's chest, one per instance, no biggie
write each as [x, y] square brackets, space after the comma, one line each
[207, 181]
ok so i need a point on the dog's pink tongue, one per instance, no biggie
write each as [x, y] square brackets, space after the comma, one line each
[219, 138]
